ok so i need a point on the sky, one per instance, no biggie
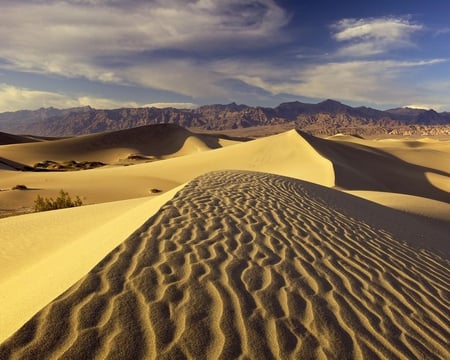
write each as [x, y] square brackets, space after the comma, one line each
[187, 53]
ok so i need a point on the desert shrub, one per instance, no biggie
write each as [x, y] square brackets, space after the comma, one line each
[69, 165]
[61, 202]
[20, 187]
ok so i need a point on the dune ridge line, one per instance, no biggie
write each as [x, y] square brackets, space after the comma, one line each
[246, 264]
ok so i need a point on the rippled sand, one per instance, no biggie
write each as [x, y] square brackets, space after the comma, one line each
[254, 265]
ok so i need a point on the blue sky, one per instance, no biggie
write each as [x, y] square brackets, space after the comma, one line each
[185, 53]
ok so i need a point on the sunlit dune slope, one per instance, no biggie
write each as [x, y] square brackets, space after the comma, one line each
[285, 154]
[157, 141]
[426, 152]
[433, 209]
[359, 166]
[417, 168]
[255, 265]
[43, 254]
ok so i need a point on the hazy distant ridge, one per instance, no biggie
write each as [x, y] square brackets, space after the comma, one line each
[328, 117]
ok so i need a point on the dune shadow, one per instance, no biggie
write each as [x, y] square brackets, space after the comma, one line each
[151, 140]
[27, 189]
[359, 167]
[13, 165]
[160, 139]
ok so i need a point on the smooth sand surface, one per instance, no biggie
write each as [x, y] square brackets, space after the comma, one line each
[237, 264]
[42, 254]
[348, 163]
[6, 139]
[360, 166]
[254, 265]
[426, 152]
[429, 208]
[158, 141]
[284, 154]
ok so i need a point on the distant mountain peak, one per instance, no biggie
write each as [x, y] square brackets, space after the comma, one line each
[332, 106]
[330, 102]
[327, 117]
[230, 107]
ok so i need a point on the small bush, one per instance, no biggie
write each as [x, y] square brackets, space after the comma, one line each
[20, 187]
[61, 202]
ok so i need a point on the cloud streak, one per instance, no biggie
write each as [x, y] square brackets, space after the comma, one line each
[365, 81]
[121, 43]
[442, 31]
[72, 39]
[14, 98]
[368, 37]
[202, 51]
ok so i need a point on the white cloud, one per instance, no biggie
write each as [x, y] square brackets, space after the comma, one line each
[84, 37]
[102, 103]
[370, 82]
[13, 98]
[181, 105]
[185, 77]
[420, 106]
[442, 31]
[114, 41]
[366, 37]
[430, 106]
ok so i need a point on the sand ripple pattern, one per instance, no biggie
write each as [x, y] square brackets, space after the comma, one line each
[250, 266]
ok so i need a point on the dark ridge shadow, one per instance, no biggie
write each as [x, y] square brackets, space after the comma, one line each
[150, 140]
[8, 139]
[359, 167]
[155, 140]
[13, 165]
[216, 136]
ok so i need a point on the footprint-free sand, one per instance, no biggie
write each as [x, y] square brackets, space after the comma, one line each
[262, 252]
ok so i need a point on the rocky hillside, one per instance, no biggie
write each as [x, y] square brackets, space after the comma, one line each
[325, 118]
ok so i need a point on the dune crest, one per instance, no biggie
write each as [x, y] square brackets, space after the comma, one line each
[75, 240]
[6, 139]
[359, 166]
[285, 154]
[244, 264]
[158, 141]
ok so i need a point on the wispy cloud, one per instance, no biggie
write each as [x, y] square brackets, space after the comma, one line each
[442, 31]
[172, 105]
[184, 76]
[14, 98]
[369, 81]
[367, 37]
[86, 37]
[205, 50]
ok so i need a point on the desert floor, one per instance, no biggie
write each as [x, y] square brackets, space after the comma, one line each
[203, 246]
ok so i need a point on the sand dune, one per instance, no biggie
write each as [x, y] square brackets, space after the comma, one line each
[347, 163]
[55, 249]
[429, 208]
[156, 141]
[285, 154]
[6, 139]
[255, 265]
[265, 264]
[359, 166]
[426, 152]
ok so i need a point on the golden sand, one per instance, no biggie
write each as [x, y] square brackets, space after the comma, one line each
[254, 265]
[277, 263]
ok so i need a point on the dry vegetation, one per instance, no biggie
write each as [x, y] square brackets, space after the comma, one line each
[61, 202]
[19, 187]
[69, 165]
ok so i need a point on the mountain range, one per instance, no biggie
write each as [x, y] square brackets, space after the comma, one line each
[325, 118]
